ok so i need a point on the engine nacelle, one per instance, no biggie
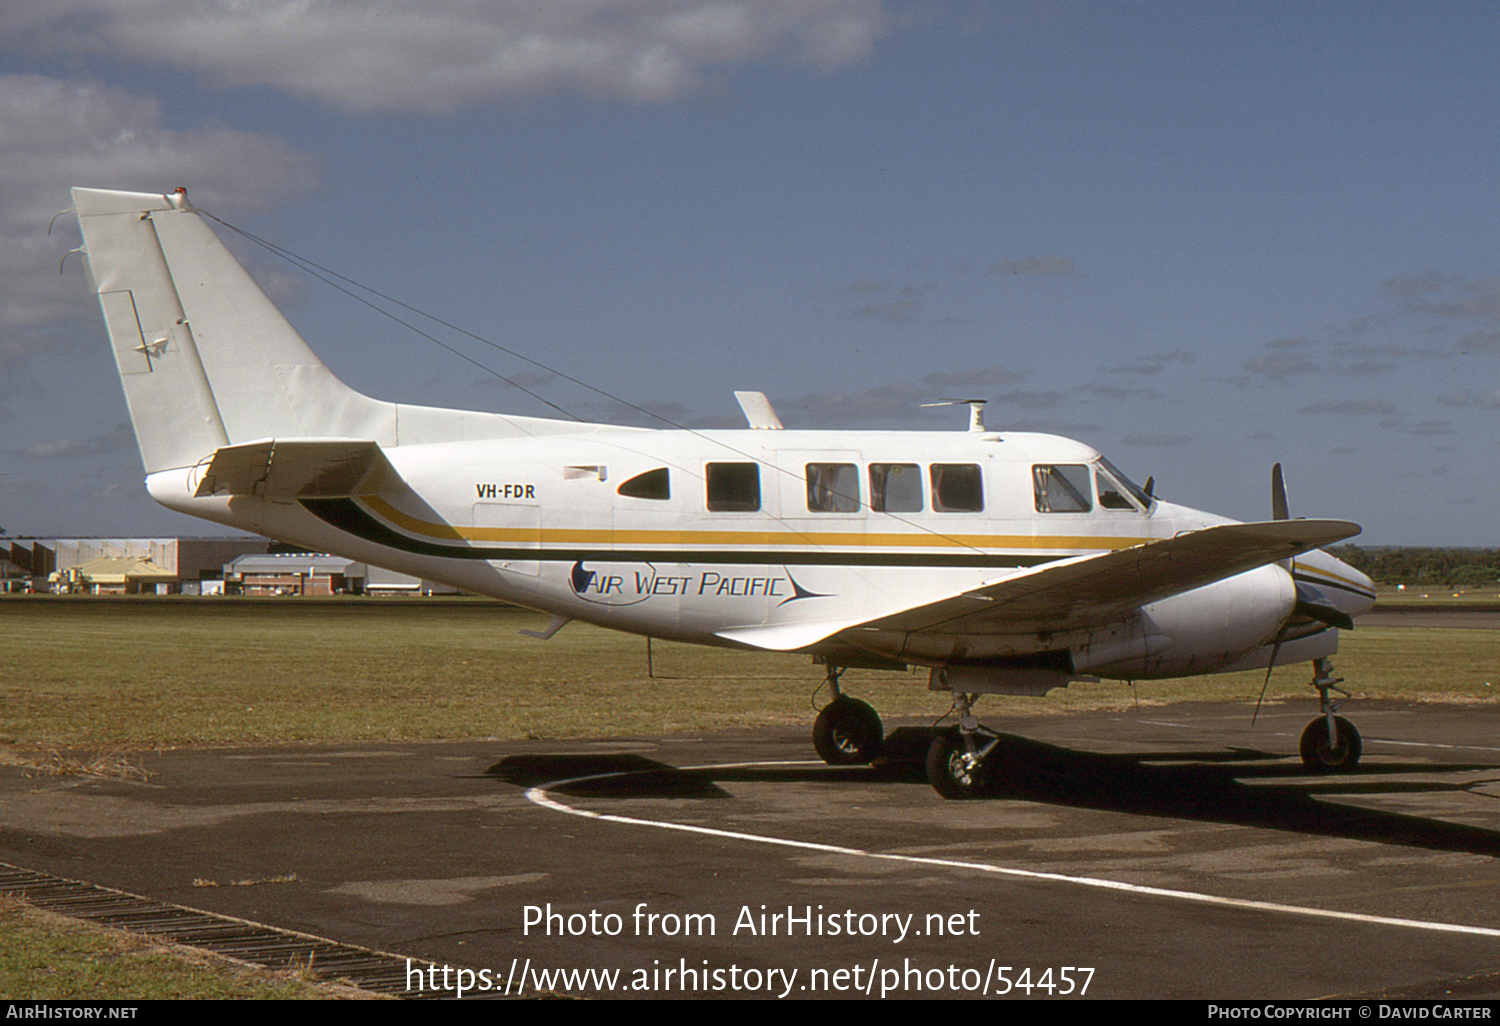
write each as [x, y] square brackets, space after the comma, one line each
[1209, 628]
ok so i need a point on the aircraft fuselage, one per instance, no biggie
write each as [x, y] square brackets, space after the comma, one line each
[772, 539]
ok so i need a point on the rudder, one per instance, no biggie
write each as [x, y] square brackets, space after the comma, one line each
[172, 407]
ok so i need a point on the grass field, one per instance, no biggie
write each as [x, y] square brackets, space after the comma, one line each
[142, 673]
[47, 957]
[1389, 596]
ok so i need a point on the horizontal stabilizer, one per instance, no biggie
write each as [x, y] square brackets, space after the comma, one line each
[301, 468]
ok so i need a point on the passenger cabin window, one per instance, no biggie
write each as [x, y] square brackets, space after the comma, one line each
[1062, 488]
[957, 488]
[653, 484]
[895, 488]
[733, 487]
[832, 488]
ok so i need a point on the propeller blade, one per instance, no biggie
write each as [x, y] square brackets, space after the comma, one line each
[1278, 495]
[1276, 648]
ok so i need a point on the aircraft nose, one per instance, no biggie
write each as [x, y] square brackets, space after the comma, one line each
[1368, 599]
[1358, 592]
[1338, 584]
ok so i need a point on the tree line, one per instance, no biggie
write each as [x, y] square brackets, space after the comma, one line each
[1416, 565]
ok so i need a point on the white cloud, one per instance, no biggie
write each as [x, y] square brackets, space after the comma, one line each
[56, 134]
[1033, 266]
[1280, 365]
[121, 439]
[1447, 295]
[1489, 400]
[1116, 393]
[437, 55]
[1355, 407]
[898, 311]
[905, 402]
[1480, 341]
[1157, 439]
[1153, 363]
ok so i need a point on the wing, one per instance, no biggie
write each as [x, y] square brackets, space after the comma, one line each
[1083, 591]
[299, 468]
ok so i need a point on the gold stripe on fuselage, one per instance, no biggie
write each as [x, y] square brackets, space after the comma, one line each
[751, 539]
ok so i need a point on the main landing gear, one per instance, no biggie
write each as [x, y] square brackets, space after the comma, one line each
[958, 765]
[1330, 743]
[847, 732]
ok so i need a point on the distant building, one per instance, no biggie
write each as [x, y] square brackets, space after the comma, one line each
[118, 565]
[294, 574]
[380, 581]
[303, 574]
[112, 575]
[14, 576]
[190, 566]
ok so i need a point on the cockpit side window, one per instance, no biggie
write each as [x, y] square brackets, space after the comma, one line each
[832, 488]
[1062, 487]
[1111, 492]
[957, 488]
[1112, 474]
[895, 488]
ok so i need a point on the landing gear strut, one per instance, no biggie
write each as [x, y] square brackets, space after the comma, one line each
[1330, 743]
[958, 761]
[847, 732]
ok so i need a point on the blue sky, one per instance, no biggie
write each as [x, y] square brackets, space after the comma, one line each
[1203, 237]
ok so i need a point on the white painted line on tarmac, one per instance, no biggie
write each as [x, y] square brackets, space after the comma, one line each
[1431, 744]
[539, 796]
[1368, 740]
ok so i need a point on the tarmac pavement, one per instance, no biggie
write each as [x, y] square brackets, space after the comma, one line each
[1164, 852]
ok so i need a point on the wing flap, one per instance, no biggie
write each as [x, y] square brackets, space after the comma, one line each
[1078, 592]
[301, 468]
[785, 637]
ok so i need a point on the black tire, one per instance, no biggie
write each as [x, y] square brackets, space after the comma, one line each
[1320, 754]
[949, 773]
[848, 732]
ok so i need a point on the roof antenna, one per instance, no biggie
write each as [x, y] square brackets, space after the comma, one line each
[976, 410]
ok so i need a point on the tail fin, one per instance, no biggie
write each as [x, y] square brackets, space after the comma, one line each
[208, 361]
[176, 419]
[205, 358]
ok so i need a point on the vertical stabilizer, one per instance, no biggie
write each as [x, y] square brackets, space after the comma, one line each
[171, 405]
[205, 358]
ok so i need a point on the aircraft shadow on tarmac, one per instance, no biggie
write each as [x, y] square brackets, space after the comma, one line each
[1242, 786]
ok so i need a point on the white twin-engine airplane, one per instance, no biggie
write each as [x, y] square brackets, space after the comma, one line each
[1007, 563]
